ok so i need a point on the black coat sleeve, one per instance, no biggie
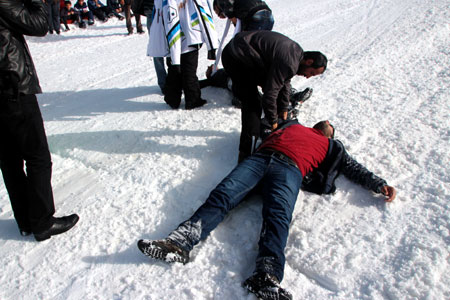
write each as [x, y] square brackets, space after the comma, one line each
[26, 17]
[359, 174]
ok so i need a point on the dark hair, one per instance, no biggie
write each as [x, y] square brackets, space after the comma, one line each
[319, 60]
[323, 126]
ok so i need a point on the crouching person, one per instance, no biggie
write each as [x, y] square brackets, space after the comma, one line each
[277, 168]
[69, 13]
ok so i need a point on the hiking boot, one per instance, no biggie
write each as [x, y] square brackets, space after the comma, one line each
[163, 250]
[266, 286]
[192, 105]
[300, 97]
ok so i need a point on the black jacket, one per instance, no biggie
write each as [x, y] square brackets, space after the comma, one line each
[17, 72]
[274, 59]
[241, 9]
[338, 161]
[148, 7]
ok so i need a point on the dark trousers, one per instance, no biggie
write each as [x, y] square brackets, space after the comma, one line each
[182, 78]
[245, 88]
[23, 138]
[53, 16]
[280, 183]
[127, 10]
[88, 15]
[101, 12]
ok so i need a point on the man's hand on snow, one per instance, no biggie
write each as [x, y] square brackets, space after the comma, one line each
[389, 192]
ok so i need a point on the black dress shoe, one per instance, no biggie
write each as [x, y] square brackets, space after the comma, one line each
[59, 226]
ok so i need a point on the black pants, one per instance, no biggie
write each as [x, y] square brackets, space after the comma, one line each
[182, 78]
[102, 12]
[53, 16]
[137, 17]
[245, 88]
[23, 138]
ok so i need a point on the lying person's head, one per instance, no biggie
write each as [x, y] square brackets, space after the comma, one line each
[326, 128]
[313, 63]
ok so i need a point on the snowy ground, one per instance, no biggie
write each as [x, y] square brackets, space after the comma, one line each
[132, 168]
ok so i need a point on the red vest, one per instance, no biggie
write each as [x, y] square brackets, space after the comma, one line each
[307, 147]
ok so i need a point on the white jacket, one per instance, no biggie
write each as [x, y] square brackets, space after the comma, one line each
[179, 26]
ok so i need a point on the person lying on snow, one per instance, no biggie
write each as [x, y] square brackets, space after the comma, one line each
[292, 157]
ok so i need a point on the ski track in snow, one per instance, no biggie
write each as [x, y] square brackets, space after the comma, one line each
[132, 168]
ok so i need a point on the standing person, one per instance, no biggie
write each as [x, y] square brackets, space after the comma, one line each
[126, 4]
[253, 14]
[158, 62]
[179, 30]
[278, 168]
[84, 11]
[267, 59]
[54, 23]
[22, 133]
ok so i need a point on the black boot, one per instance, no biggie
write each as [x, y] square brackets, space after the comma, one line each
[164, 250]
[266, 286]
[59, 226]
[192, 105]
[300, 97]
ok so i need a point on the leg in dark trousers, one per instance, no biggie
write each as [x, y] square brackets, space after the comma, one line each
[173, 86]
[23, 139]
[183, 78]
[191, 87]
[245, 88]
[127, 10]
[137, 17]
[100, 14]
[53, 16]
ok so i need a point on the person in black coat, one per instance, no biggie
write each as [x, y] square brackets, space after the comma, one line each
[254, 14]
[22, 134]
[267, 59]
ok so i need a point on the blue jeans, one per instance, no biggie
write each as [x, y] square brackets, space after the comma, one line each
[161, 73]
[261, 20]
[280, 184]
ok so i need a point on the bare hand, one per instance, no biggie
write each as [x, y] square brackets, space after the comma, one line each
[274, 126]
[389, 192]
[209, 71]
[283, 115]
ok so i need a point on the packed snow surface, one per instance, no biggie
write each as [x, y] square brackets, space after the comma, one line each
[133, 168]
